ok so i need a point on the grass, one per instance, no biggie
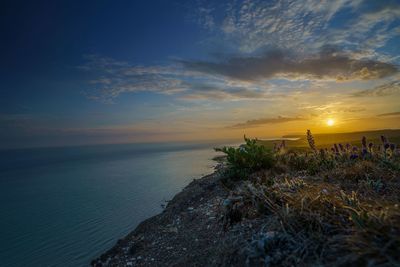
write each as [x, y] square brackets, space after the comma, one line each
[332, 206]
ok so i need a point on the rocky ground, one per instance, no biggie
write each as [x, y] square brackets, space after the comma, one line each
[187, 231]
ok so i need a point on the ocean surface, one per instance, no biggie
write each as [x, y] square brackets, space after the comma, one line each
[65, 206]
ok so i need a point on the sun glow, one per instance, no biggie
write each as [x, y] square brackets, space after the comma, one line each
[330, 122]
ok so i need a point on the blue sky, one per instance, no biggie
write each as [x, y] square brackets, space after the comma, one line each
[83, 72]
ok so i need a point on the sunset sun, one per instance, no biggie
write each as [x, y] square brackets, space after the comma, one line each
[330, 122]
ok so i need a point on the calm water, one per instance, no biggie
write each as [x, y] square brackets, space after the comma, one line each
[64, 206]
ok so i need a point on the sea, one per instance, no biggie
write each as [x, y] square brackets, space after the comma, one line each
[65, 206]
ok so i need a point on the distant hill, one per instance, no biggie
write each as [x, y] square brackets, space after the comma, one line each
[354, 138]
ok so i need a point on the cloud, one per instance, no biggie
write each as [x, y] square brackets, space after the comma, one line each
[113, 78]
[225, 91]
[381, 90]
[329, 64]
[248, 26]
[353, 110]
[371, 29]
[205, 18]
[251, 25]
[264, 121]
[252, 30]
[389, 114]
[237, 78]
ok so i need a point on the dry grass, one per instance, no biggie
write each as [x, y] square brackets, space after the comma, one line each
[323, 210]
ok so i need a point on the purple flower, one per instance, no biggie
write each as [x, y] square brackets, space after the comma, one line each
[392, 147]
[364, 152]
[384, 139]
[386, 146]
[364, 141]
[348, 146]
[355, 149]
[353, 156]
[310, 140]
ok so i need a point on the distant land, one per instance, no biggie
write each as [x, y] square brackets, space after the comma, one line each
[327, 139]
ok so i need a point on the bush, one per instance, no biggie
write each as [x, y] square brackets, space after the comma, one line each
[247, 158]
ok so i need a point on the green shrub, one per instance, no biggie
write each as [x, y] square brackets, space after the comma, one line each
[247, 158]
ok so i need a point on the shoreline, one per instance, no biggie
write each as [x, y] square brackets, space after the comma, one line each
[179, 235]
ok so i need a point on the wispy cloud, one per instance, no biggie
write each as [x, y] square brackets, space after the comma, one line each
[381, 90]
[265, 121]
[253, 25]
[329, 64]
[369, 29]
[113, 78]
[389, 114]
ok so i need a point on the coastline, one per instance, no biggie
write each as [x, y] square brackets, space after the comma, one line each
[185, 233]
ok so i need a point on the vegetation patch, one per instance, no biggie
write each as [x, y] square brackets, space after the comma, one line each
[331, 206]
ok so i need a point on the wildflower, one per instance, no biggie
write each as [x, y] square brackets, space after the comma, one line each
[348, 146]
[364, 141]
[392, 147]
[310, 140]
[364, 150]
[384, 139]
[370, 146]
[335, 146]
[341, 147]
[353, 156]
[386, 146]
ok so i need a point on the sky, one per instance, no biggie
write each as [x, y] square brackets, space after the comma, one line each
[90, 72]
